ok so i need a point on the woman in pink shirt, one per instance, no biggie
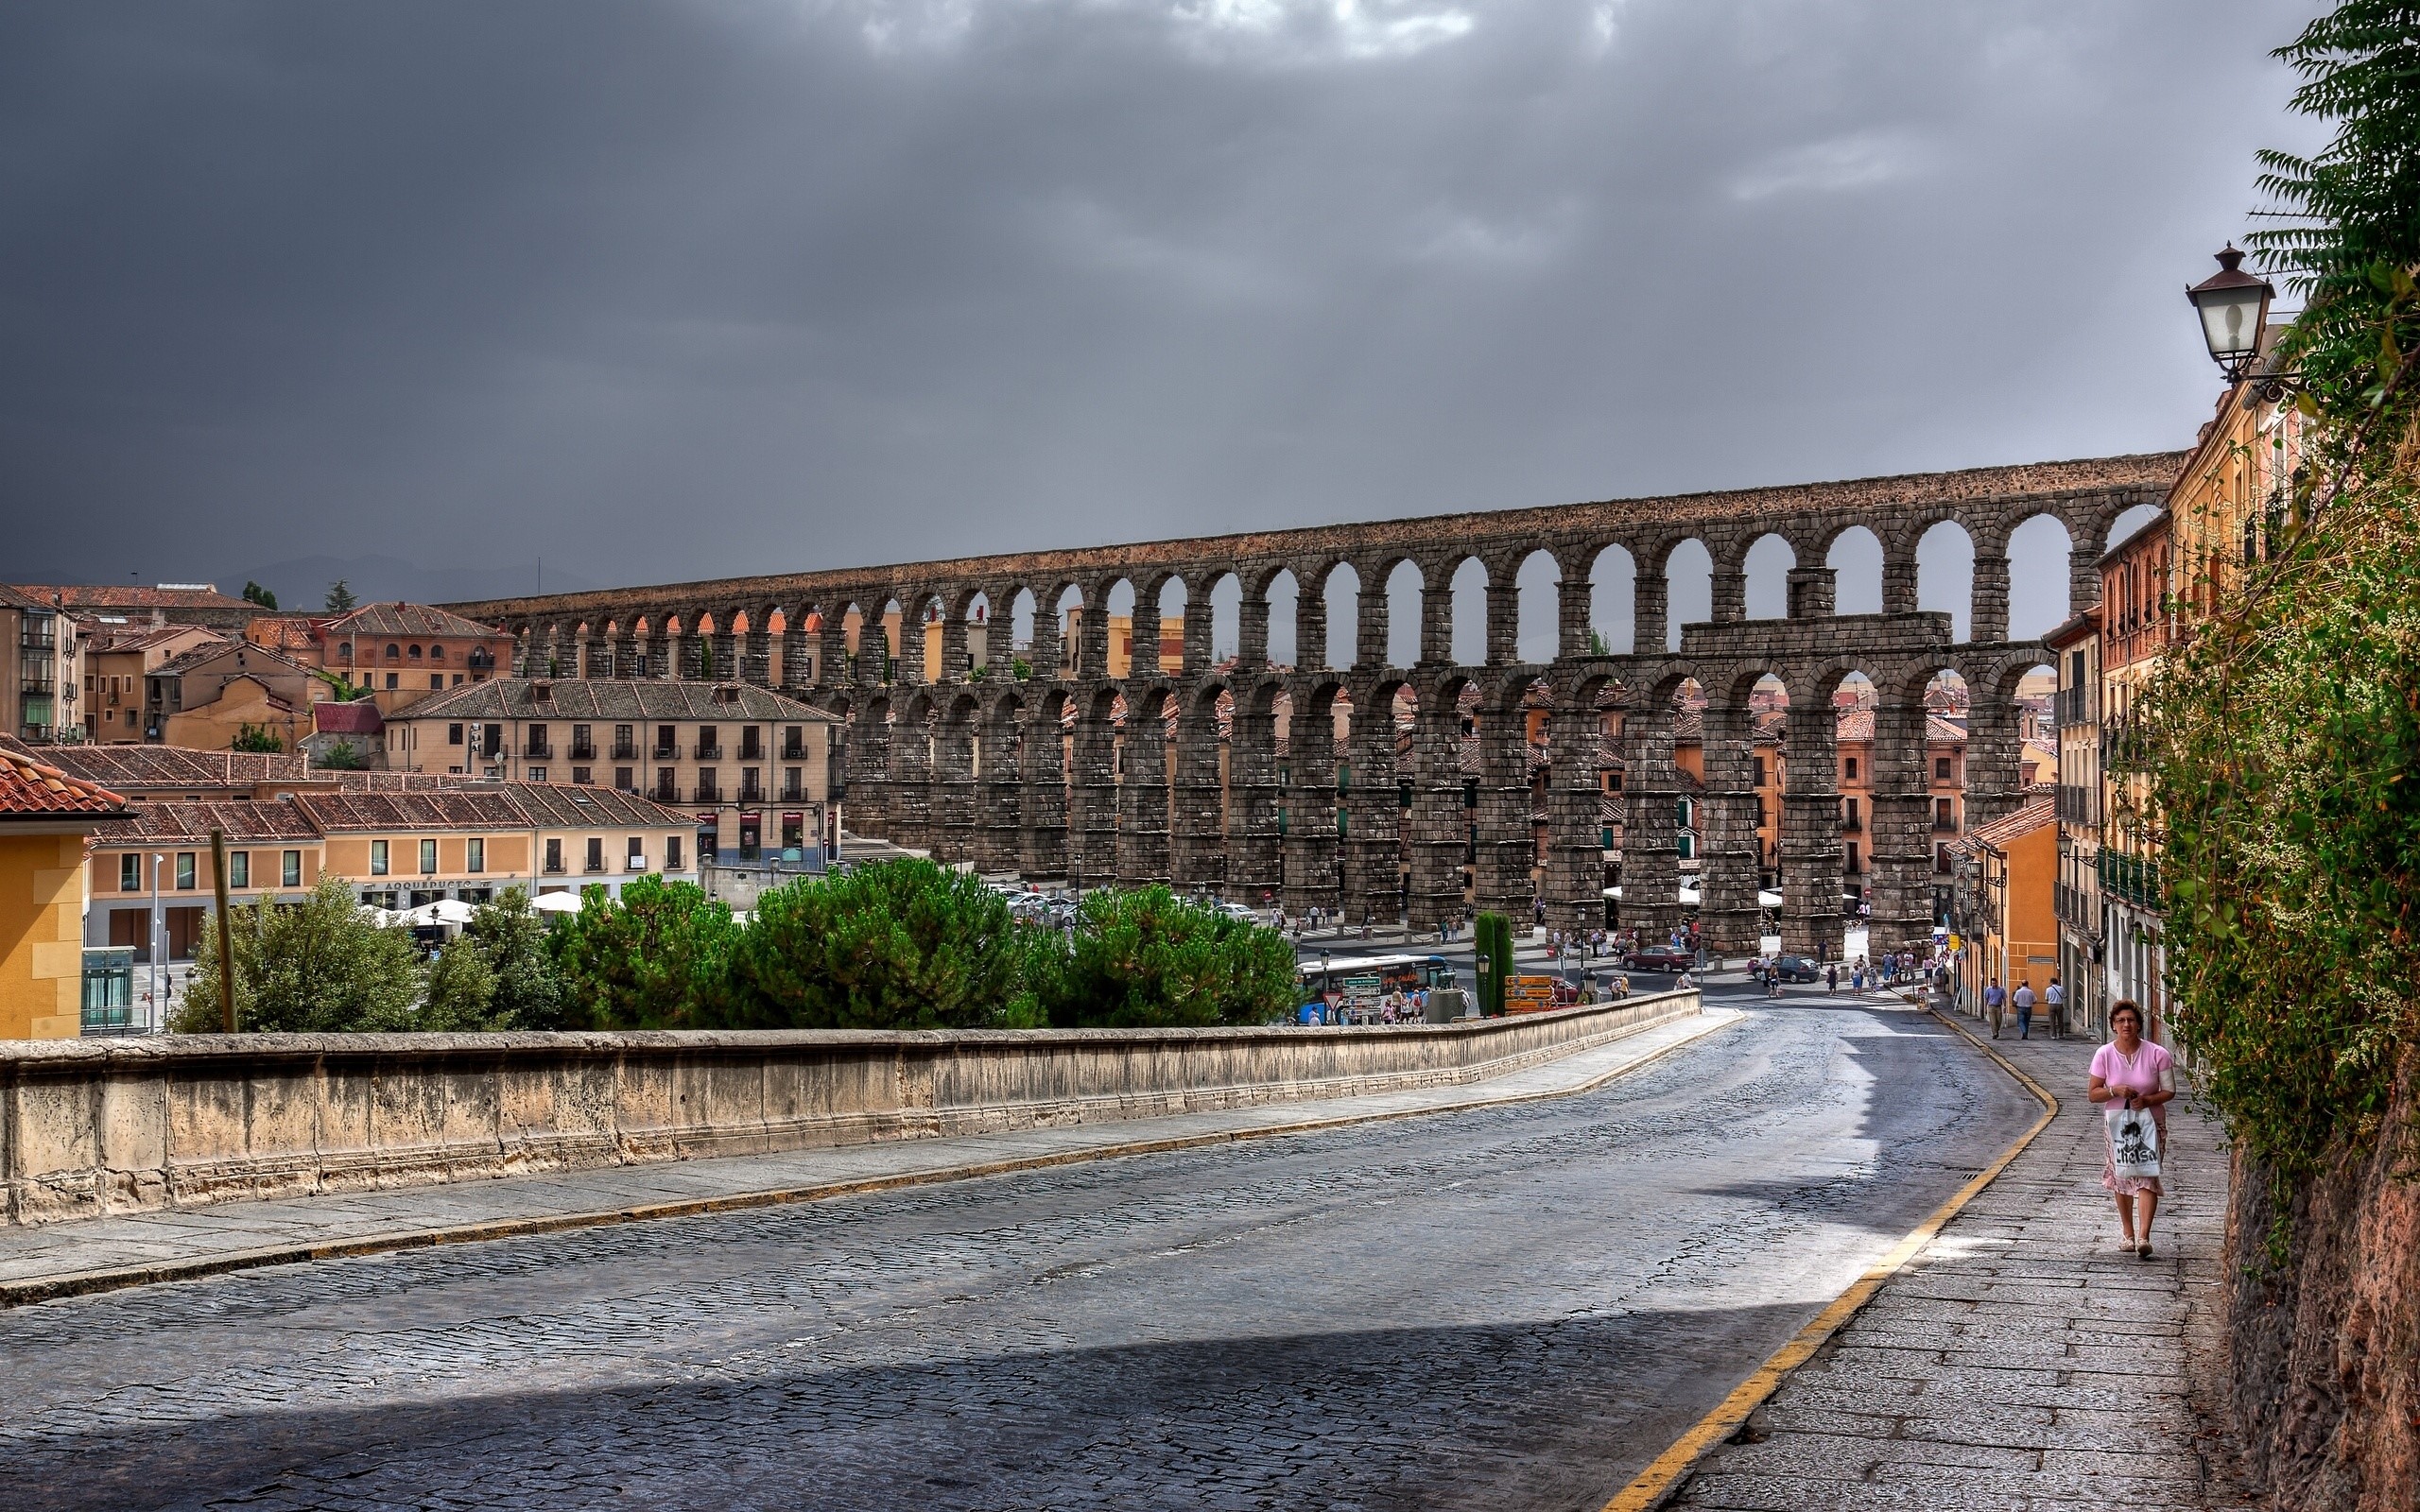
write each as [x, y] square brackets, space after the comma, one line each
[2130, 1072]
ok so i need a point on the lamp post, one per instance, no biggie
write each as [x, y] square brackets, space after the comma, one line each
[2233, 306]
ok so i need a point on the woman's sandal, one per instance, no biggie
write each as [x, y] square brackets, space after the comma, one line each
[2144, 1250]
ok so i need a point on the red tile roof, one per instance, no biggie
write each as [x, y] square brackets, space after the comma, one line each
[31, 789]
[405, 619]
[128, 596]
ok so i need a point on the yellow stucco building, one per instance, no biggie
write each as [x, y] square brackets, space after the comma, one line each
[44, 817]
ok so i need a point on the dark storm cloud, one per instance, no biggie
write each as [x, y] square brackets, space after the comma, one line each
[659, 291]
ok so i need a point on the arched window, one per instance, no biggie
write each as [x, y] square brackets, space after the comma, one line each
[437, 653]
[344, 649]
[415, 653]
[394, 652]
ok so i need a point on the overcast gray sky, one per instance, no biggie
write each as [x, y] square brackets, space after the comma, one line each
[669, 290]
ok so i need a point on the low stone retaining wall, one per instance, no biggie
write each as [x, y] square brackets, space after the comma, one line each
[89, 1127]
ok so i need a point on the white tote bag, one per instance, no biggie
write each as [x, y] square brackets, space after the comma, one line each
[2133, 1144]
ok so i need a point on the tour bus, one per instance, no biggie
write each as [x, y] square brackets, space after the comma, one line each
[1374, 976]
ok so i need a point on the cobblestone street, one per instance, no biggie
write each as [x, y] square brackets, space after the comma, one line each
[1505, 1308]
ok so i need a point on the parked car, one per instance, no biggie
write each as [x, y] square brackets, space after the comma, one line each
[1662, 958]
[1787, 967]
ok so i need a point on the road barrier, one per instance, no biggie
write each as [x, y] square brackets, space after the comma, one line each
[91, 1127]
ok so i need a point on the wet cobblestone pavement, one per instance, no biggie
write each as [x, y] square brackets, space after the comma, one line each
[1505, 1308]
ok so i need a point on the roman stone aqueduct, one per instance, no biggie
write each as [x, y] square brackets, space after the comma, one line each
[1036, 773]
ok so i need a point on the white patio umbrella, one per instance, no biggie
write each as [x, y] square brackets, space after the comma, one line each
[443, 911]
[556, 902]
[1768, 899]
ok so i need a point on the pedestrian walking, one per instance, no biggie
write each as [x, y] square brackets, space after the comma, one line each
[1831, 979]
[2024, 1001]
[2056, 1000]
[2130, 1074]
[1995, 1004]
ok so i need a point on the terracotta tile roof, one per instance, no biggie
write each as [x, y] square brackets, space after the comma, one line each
[243, 820]
[2039, 812]
[1939, 730]
[358, 717]
[405, 619]
[286, 632]
[1855, 724]
[115, 638]
[31, 789]
[140, 768]
[606, 700]
[445, 809]
[560, 805]
[128, 596]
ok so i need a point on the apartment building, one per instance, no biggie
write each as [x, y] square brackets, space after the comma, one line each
[41, 667]
[215, 695]
[47, 819]
[752, 767]
[2139, 605]
[118, 658]
[2003, 910]
[2076, 901]
[400, 652]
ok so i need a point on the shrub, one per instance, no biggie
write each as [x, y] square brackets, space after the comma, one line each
[317, 966]
[659, 959]
[900, 945]
[1147, 958]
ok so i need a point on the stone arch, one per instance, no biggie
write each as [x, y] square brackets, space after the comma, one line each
[2037, 572]
[1537, 587]
[1854, 554]
[1404, 587]
[1768, 563]
[1945, 582]
[1225, 600]
[1340, 589]
[1473, 591]
[1686, 567]
[1612, 579]
[1279, 593]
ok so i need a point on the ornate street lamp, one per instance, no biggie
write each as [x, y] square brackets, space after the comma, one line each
[2233, 306]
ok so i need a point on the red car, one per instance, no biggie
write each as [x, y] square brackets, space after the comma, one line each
[1660, 959]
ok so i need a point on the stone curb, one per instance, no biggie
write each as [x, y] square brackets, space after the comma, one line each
[86, 1282]
[1655, 1485]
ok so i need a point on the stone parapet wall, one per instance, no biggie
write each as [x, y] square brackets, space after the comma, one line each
[92, 1128]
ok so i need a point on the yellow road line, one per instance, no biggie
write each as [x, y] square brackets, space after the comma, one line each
[1653, 1483]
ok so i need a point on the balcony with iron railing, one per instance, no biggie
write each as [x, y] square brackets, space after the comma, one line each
[667, 754]
[2130, 879]
[709, 792]
[2074, 705]
[554, 866]
[626, 750]
[539, 750]
[583, 750]
[793, 792]
[665, 793]
[37, 678]
[750, 792]
[793, 750]
[710, 751]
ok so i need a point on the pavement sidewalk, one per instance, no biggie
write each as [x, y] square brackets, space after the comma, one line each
[2020, 1361]
[134, 1250]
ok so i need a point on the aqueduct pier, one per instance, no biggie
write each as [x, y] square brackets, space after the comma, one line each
[1029, 768]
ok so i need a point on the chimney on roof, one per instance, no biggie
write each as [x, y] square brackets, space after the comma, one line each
[726, 693]
[541, 691]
